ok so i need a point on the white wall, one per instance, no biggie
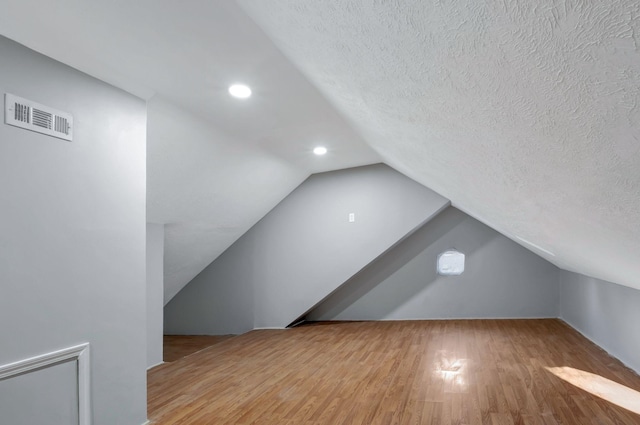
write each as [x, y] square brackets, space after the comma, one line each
[501, 278]
[155, 291]
[303, 250]
[606, 313]
[207, 187]
[55, 402]
[72, 250]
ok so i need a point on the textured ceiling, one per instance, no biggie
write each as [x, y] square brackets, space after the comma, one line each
[525, 114]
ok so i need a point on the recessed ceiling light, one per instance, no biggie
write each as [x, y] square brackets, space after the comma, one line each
[240, 91]
[320, 150]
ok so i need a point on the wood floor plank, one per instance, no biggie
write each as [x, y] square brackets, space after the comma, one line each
[178, 346]
[458, 372]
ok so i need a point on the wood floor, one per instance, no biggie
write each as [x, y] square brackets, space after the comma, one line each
[178, 346]
[415, 372]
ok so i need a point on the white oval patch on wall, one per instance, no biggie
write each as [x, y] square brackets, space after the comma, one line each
[451, 263]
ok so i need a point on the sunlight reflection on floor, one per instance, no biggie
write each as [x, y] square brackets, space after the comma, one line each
[604, 388]
[453, 372]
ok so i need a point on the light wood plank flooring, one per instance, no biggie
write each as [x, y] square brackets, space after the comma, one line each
[406, 372]
[178, 346]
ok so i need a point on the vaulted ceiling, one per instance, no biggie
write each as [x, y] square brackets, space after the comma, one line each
[524, 114]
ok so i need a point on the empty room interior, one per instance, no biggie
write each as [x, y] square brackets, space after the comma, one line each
[298, 212]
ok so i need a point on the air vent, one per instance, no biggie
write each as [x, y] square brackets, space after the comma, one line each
[33, 116]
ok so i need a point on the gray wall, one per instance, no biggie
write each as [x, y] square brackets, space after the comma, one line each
[501, 278]
[72, 251]
[217, 301]
[606, 313]
[207, 187]
[155, 291]
[46, 396]
[303, 250]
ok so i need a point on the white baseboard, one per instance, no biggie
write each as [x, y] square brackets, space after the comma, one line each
[434, 319]
[79, 353]
[151, 367]
[268, 328]
[607, 349]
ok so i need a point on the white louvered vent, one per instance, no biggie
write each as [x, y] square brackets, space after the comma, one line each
[33, 116]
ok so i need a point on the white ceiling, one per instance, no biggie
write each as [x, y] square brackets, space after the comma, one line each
[524, 114]
[216, 165]
[206, 188]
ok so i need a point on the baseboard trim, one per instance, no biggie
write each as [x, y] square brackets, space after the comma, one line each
[269, 328]
[606, 349]
[470, 318]
[433, 319]
[151, 367]
[79, 353]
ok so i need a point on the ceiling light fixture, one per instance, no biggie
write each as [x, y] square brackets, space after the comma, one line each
[241, 91]
[319, 150]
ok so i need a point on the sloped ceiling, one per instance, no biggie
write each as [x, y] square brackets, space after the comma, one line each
[216, 165]
[206, 188]
[524, 114]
